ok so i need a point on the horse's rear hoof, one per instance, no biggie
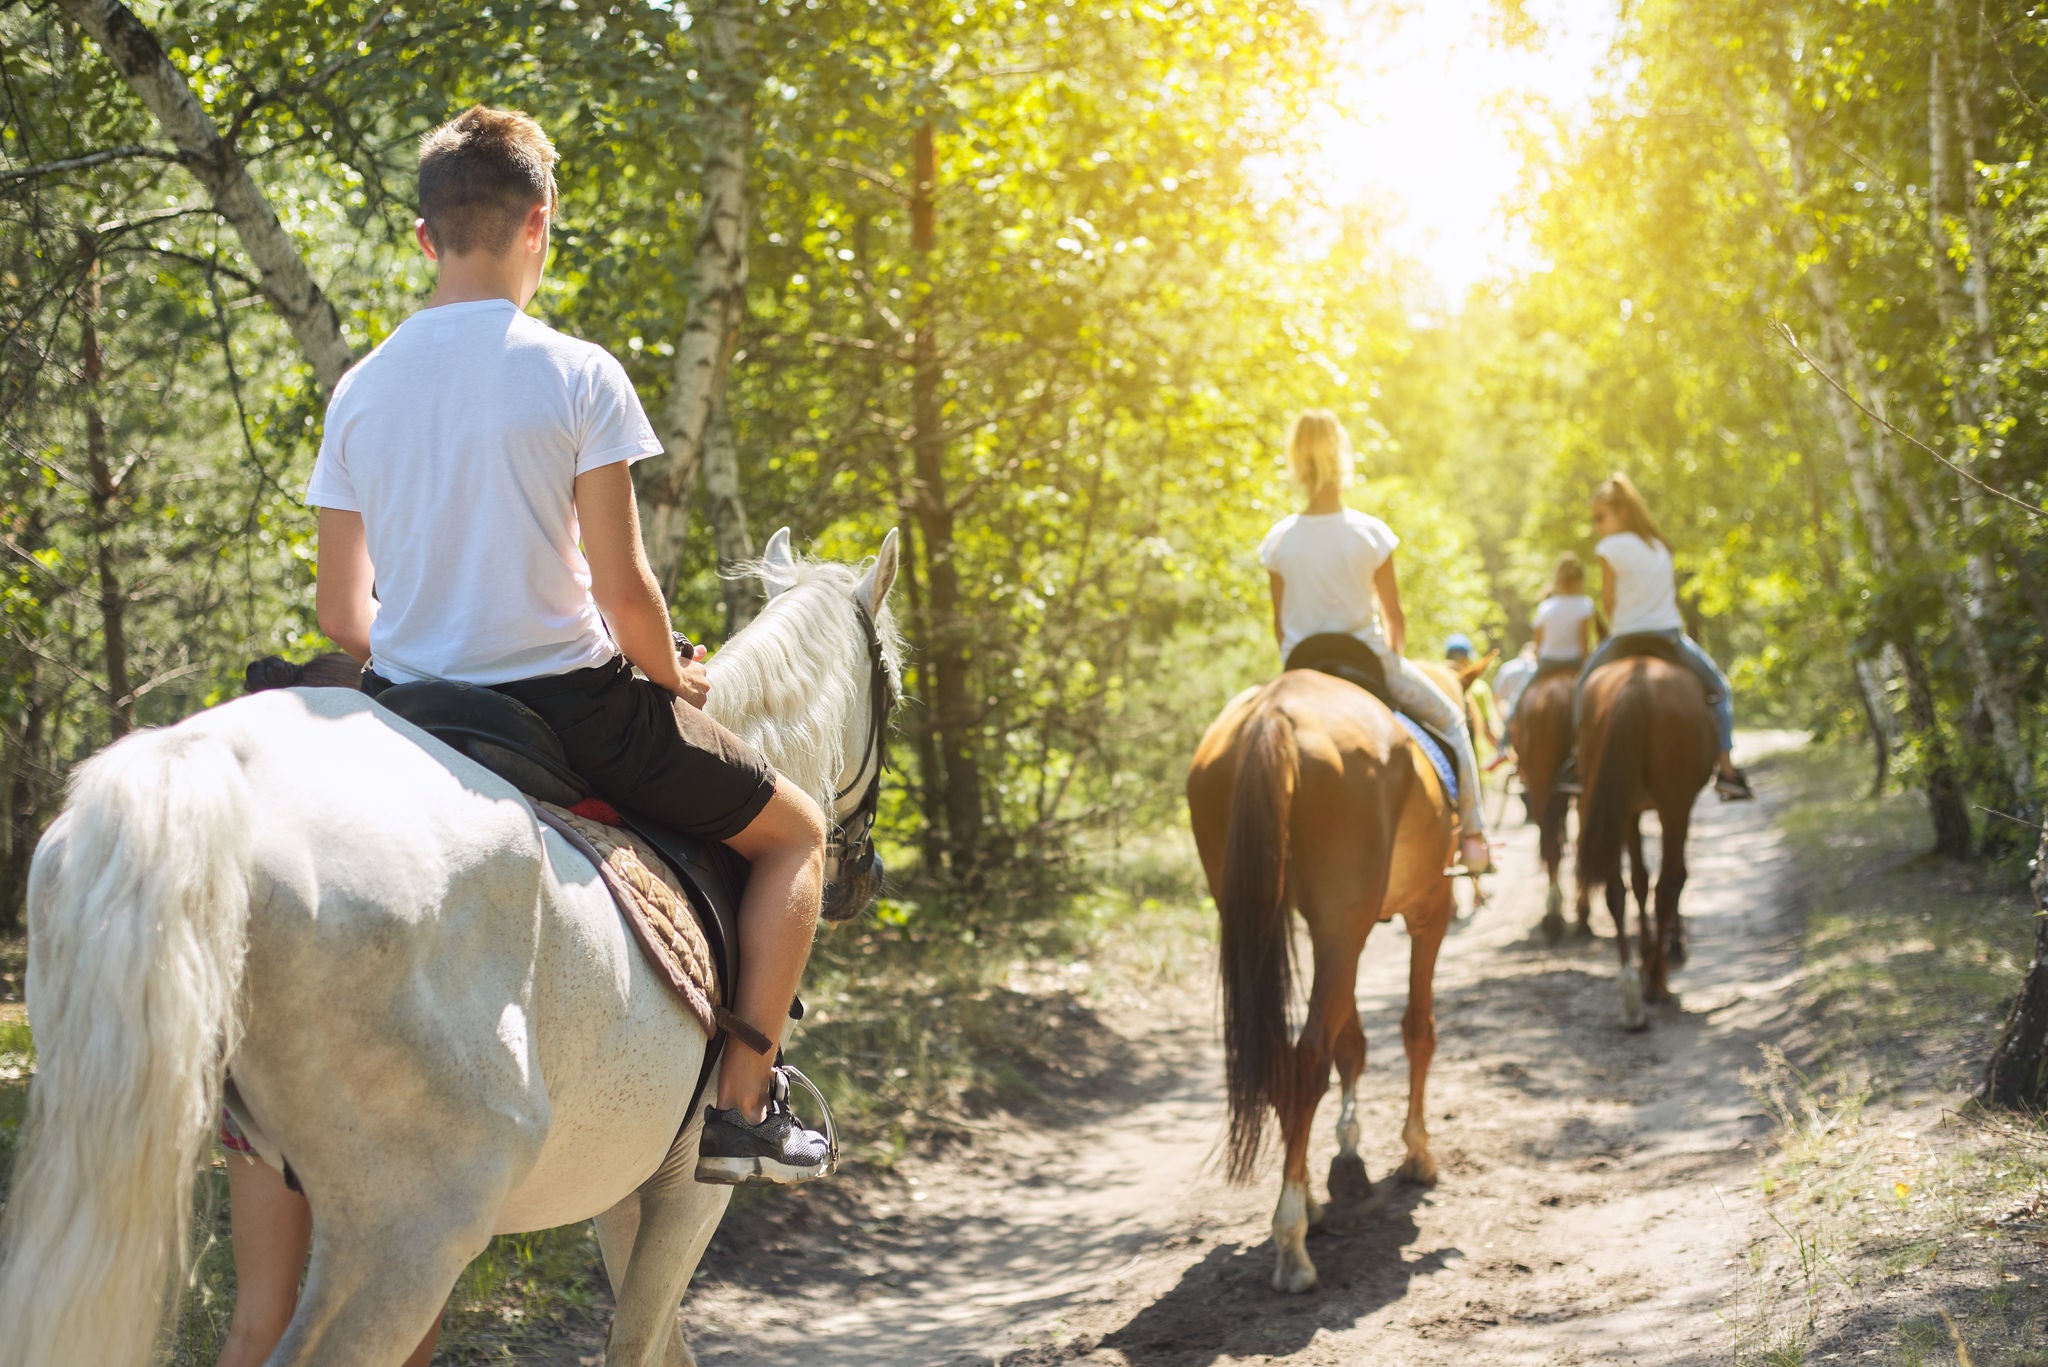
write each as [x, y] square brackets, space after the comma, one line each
[1348, 1181]
[1584, 929]
[1419, 1169]
[1294, 1280]
[1552, 927]
[1676, 955]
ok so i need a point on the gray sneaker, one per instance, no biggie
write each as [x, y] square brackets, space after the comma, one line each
[777, 1152]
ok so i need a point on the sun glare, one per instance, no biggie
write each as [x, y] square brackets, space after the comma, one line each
[1422, 126]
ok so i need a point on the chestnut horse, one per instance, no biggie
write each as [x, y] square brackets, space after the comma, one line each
[1646, 743]
[1542, 737]
[1307, 794]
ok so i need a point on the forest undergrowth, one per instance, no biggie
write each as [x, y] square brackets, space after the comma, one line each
[1903, 1224]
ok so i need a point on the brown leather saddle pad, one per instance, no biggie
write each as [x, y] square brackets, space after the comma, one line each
[653, 900]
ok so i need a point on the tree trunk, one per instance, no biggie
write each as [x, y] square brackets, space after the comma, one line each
[1966, 406]
[729, 520]
[2016, 1077]
[1847, 357]
[717, 299]
[26, 798]
[283, 276]
[106, 508]
[946, 648]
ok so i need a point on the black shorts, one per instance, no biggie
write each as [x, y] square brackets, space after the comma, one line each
[649, 753]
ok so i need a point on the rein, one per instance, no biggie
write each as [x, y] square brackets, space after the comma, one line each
[853, 831]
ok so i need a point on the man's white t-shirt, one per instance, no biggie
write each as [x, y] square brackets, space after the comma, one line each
[1558, 620]
[1645, 587]
[459, 440]
[1326, 563]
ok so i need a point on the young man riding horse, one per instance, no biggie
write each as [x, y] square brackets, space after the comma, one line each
[478, 524]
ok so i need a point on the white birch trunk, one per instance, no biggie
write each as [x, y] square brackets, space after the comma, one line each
[281, 270]
[718, 282]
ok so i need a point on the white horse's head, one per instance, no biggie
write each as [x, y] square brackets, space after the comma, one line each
[811, 683]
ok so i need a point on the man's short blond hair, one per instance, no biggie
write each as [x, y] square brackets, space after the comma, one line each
[481, 174]
[1319, 450]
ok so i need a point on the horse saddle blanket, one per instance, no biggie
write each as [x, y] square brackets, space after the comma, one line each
[656, 905]
[1435, 751]
[1348, 658]
[680, 895]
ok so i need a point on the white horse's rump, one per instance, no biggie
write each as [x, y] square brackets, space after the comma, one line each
[430, 1004]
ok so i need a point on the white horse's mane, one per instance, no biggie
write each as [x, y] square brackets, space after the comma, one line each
[793, 682]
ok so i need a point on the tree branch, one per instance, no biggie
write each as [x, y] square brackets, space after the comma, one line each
[57, 168]
[1791, 340]
[287, 283]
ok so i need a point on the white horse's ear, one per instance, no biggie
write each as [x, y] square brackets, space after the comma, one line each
[881, 576]
[778, 564]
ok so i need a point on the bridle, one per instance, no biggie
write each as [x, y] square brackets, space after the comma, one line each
[852, 841]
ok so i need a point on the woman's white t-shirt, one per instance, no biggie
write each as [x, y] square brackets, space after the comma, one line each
[1645, 587]
[1326, 563]
[1558, 620]
[459, 440]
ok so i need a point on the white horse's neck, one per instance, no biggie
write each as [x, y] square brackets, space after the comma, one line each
[794, 683]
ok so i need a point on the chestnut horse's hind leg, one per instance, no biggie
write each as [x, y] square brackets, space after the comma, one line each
[1331, 1008]
[1638, 868]
[1667, 933]
[1348, 1180]
[1418, 1041]
[1297, 1209]
[1633, 1017]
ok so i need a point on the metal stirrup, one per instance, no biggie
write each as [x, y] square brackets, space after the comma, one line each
[785, 1071]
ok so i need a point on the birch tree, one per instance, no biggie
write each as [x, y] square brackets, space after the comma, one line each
[715, 305]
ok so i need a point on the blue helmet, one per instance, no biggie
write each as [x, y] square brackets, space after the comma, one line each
[1459, 645]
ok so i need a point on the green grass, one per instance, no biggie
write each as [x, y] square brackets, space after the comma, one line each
[1889, 1197]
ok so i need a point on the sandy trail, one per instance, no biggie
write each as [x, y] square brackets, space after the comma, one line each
[1593, 1206]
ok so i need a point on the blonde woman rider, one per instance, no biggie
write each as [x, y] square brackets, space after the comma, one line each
[1332, 570]
[1639, 589]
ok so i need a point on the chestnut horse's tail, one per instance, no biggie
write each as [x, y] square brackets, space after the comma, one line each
[1257, 951]
[1611, 787]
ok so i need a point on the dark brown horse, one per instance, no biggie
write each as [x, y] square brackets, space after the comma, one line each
[1307, 794]
[1542, 737]
[1646, 743]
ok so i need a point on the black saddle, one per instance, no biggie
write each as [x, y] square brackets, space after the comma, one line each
[509, 738]
[1352, 660]
[1345, 657]
[1637, 645]
[1547, 668]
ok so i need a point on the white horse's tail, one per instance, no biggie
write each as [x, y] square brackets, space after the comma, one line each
[138, 922]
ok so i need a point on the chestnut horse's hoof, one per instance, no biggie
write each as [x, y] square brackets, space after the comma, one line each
[1348, 1181]
[1552, 927]
[1294, 1280]
[1675, 956]
[1418, 1168]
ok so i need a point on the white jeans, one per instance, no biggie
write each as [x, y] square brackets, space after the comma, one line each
[1421, 699]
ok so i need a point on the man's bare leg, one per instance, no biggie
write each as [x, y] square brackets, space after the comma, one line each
[270, 1227]
[778, 917]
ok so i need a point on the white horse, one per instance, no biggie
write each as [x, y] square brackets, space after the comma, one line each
[429, 1001]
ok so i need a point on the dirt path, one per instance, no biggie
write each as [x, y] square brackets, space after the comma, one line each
[1594, 1202]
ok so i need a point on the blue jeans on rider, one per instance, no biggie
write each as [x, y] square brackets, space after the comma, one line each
[1720, 696]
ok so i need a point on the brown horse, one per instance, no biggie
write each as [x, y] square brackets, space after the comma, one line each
[1646, 743]
[1542, 737]
[1307, 794]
